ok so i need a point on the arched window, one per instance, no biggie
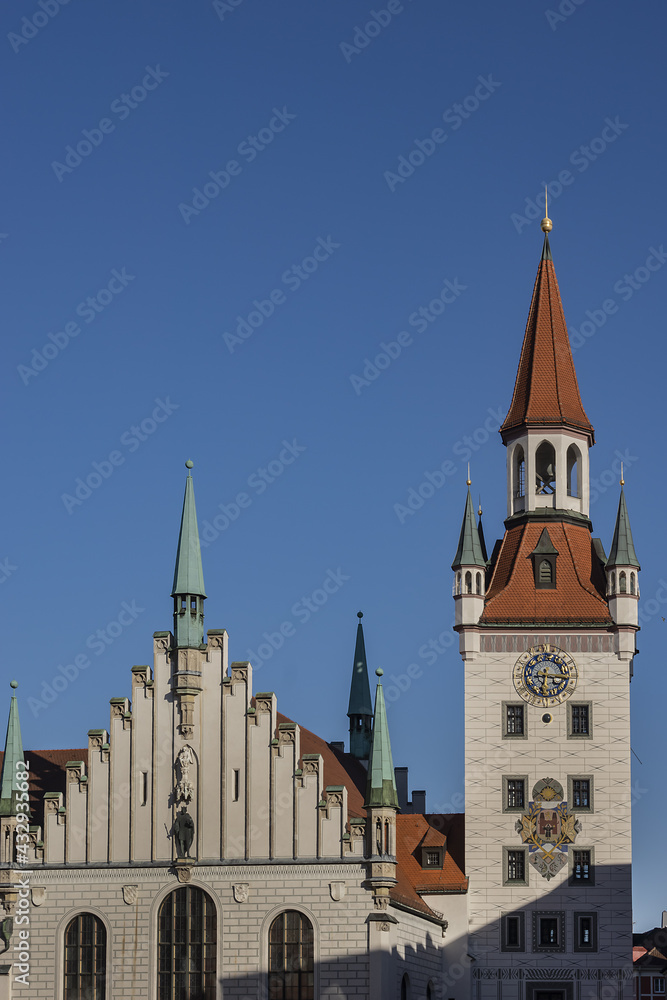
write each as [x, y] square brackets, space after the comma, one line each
[545, 469]
[468, 582]
[478, 583]
[458, 583]
[632, 583]
[622, 587]
[573, 472]
[519, 472]
[612, 583]
[187, 932]
[546, 572]
[85, 958]
[405, 987]
[291, 957]
[430, 992]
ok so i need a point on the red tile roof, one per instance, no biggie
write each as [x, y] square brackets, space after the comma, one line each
[579, 595]
[412, 879]
[546, 389]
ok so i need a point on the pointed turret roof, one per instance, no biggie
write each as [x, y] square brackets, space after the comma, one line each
[188, 573]
[381, 785]
[13, 754]
[469, 552]
[546, 392]
[545, 547]
[480, 532]
[360, 688]
[622, 552]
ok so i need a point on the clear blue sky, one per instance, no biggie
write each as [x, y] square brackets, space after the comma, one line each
[304, 119]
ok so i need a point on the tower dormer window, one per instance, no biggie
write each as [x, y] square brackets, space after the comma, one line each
[545, 469]
[544, 557]
[545, 573]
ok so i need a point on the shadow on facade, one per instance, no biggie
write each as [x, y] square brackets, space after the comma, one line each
[573, 942]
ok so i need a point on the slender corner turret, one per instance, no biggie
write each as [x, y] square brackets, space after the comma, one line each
[13, 771]
[381, 805]
[469, 568]
[360, 708]
[188, 590]
[623, 570]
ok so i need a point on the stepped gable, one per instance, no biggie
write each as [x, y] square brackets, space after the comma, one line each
[579, 595]
[339, 768]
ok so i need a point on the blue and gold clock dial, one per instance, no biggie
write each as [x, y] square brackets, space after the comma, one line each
[544, 675]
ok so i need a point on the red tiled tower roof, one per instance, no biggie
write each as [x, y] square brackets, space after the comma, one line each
[579, 594]
[546, 389]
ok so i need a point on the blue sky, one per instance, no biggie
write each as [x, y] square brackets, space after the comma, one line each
[223, 318]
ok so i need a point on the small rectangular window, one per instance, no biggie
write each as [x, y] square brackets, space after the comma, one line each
[144, 788]
[433, 859]
[512, 932]
[585, 932]
[581, 866]
[235, 785]
[516, 866]
[580, 720]
[548, 932]
[658, 984]
[581, 793]
[515, 793]
[514, 720]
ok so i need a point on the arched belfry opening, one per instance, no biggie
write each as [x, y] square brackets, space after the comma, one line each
[519, 473]
[545, 470]
[573, 471]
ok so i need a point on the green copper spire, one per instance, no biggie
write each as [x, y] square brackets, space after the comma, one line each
[13, 754]
[381, 785]
[469, 552]
[188, 590]
[622, 547]
[360, 708]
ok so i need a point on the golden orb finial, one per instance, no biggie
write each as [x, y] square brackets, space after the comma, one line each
[546, 223]
[468, 480]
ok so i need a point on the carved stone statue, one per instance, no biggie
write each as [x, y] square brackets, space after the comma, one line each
[184, 831]
[184, 787]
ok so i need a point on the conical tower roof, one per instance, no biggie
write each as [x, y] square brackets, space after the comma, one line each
[381, 784]
[622, 552]
[469, 551]
[546, 392]
[360, 688]
[13, 754]
[188, 573]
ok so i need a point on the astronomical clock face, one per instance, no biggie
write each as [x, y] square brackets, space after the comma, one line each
[544, 676]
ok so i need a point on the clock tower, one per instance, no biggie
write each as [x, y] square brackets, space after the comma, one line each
[547, 637]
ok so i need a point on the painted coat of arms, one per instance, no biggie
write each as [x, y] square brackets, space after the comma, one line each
[547, 828]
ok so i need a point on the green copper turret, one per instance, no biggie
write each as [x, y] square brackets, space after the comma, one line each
[381, 785]
[622, 551]
[360, 708]
[188, 590]
[469, 551]
[13, 754]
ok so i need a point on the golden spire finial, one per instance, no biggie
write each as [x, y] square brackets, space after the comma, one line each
[622, 480]
[546, 224]
[479, 508]
[468, 480]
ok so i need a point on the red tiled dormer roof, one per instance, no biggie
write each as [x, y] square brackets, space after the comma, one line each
[579, 595]
[546, 392]
[413, 880]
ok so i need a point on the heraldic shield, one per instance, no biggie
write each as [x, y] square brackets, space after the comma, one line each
[547, 828]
